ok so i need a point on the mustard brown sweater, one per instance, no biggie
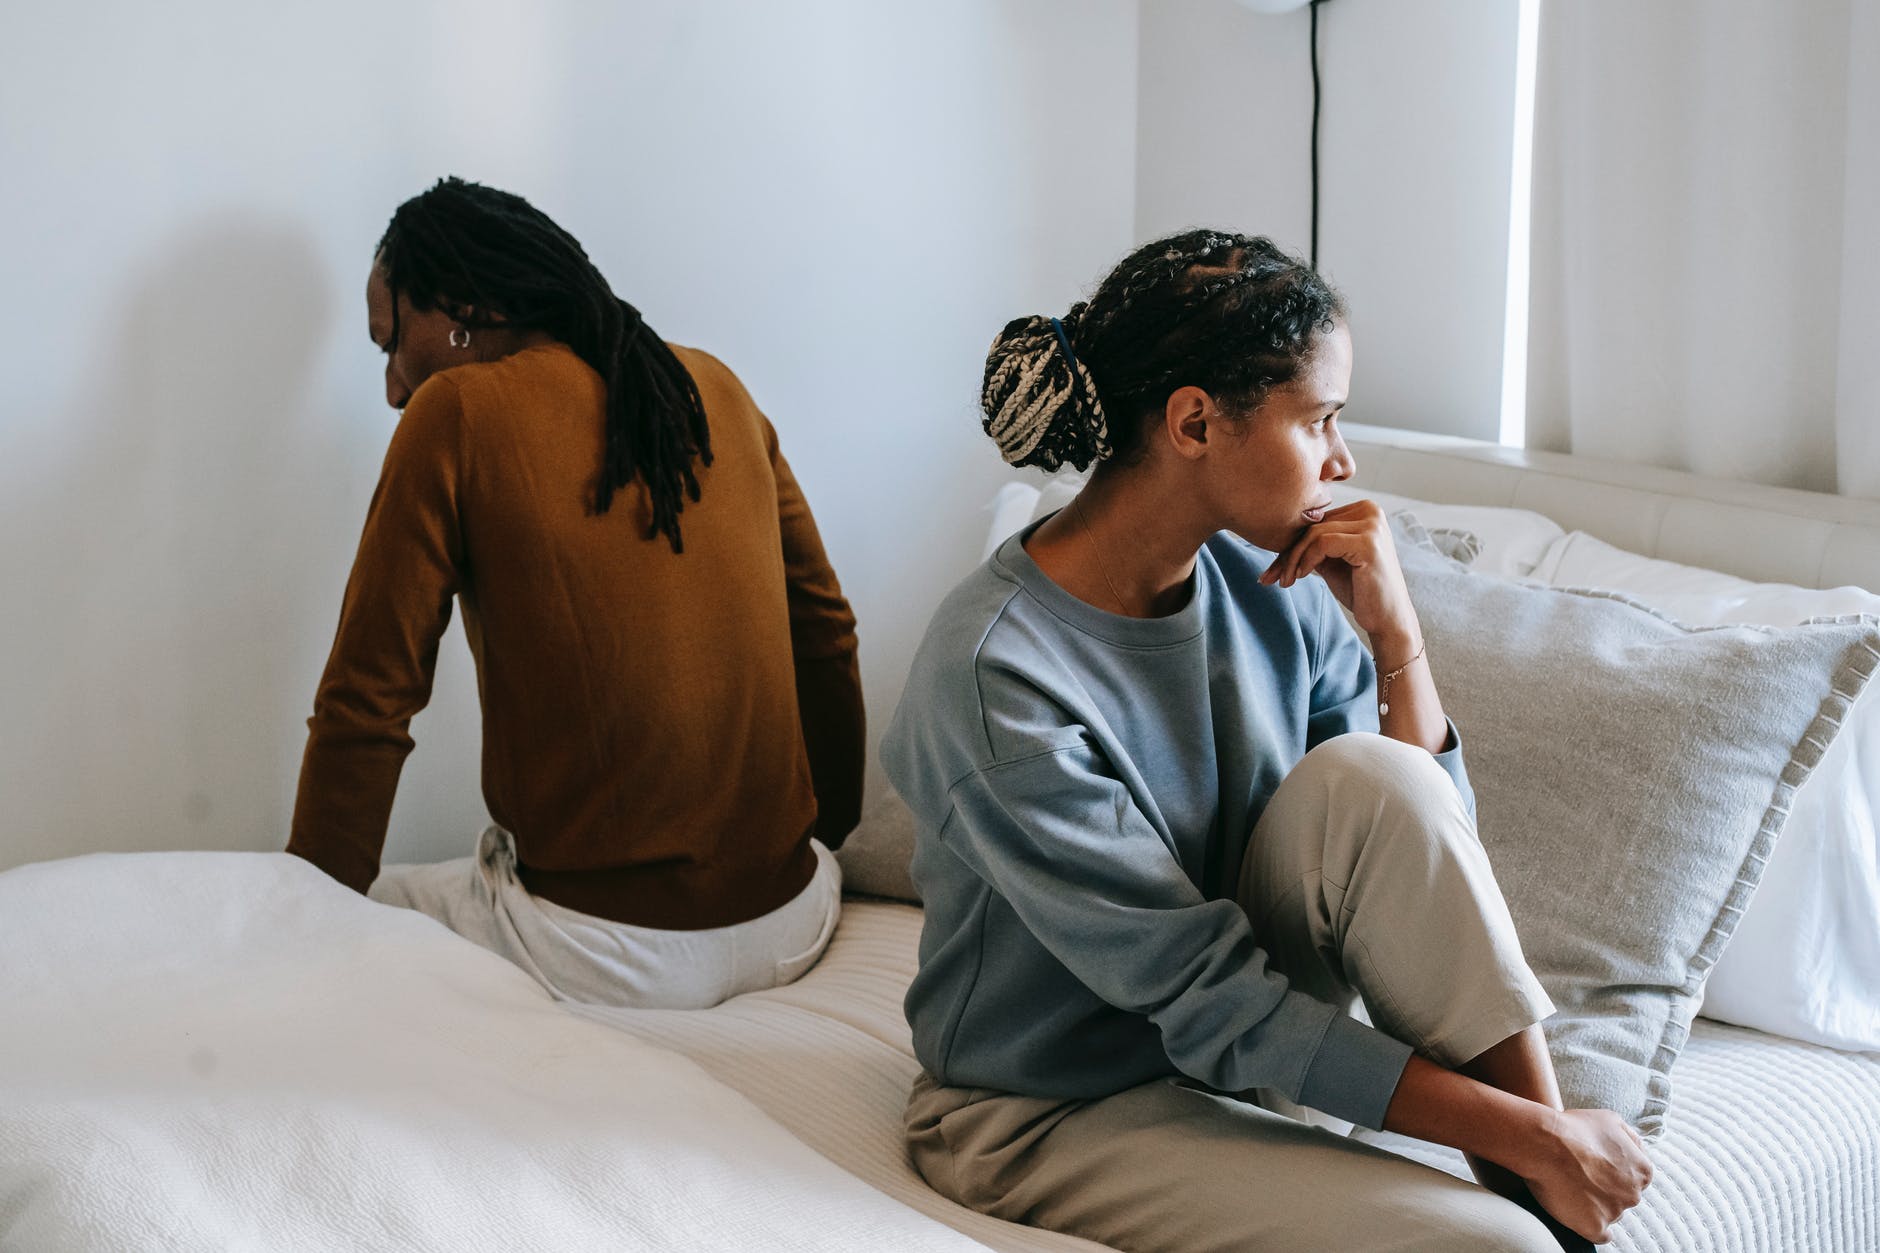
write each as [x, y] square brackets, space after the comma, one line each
[659, 729]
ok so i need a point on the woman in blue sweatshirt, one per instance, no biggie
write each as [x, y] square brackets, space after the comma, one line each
[1174, 826]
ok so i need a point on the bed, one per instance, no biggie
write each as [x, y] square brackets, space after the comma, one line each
[229, 1051]
[1754, 1164]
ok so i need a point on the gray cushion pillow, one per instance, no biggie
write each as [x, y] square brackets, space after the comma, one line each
[1631, 776]
[876, 855]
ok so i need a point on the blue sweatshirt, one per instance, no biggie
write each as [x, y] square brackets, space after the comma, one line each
[1084, 786]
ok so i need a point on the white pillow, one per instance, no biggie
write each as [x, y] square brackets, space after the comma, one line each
[1012, 507]
[1017, 505]
[1506, 542]
[1510, 542]
[1805, 959]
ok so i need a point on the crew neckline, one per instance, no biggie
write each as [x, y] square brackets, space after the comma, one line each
[1115, 628]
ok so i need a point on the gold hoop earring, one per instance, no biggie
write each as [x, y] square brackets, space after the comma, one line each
[460, 338]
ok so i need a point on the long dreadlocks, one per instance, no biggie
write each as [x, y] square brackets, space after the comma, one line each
[490, 258]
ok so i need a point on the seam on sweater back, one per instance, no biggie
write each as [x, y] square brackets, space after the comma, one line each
[979, 648]
[983, 908]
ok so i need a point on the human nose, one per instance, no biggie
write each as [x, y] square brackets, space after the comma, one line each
[1340, 465]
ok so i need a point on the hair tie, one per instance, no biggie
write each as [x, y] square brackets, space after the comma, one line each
[1064, 342]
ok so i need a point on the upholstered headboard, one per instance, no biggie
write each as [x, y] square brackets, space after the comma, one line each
[1767, 534]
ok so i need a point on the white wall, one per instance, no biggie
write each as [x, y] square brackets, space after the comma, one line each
[843, 199]
[1857, 395]
[1416, 149]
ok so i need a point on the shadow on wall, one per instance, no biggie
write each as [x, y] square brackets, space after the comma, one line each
[153, 568]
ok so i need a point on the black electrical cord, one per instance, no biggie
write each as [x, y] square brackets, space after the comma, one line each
[1315, 131]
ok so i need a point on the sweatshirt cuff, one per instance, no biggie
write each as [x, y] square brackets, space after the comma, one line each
[1450, 759]
[1354, 1073]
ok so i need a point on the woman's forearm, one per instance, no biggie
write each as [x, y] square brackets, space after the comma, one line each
[1585, 1167]
[1445, 1107]
[1409, 708]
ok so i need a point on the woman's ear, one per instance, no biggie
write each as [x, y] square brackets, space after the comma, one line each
[1186, 417]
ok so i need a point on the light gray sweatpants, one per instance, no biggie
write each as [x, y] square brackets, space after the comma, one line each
[1365, 878]
[595, 961]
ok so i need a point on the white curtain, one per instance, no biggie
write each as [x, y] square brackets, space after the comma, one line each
[1706, 238]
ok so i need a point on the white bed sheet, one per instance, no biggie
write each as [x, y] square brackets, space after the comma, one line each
[230, 1051]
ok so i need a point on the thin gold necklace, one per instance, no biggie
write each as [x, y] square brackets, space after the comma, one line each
[1077, 503]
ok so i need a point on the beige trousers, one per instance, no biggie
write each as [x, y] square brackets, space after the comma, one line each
[1364, 879]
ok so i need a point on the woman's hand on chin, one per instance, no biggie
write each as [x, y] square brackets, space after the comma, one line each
[1352, 550]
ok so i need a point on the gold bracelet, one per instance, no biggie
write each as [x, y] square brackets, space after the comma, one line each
[1383, 686]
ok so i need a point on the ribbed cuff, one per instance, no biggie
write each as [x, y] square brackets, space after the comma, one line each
[1354, 1073]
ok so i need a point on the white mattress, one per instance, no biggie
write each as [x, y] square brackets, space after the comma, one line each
[1774, 1146]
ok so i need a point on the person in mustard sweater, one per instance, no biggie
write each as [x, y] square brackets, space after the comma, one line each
[672, 712]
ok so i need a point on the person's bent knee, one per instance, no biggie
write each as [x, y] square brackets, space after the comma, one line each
[1370, 776]
[1378, 765]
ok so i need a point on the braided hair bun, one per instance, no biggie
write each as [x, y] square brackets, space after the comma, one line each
[1039, 400]
[1230, 314]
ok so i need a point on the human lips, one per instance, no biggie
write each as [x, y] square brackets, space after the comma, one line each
[1317, 512]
